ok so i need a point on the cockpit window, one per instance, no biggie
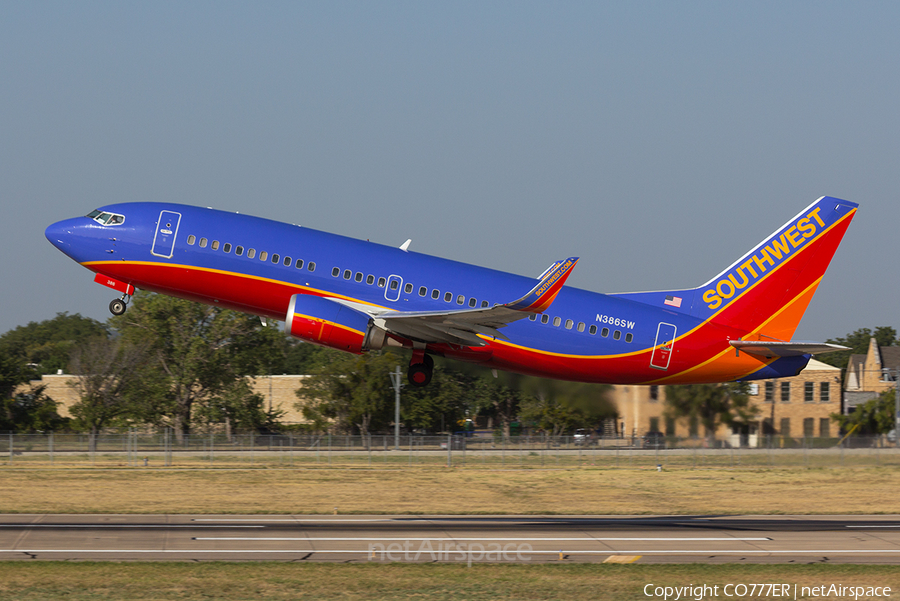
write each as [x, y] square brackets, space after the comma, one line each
[104, 218]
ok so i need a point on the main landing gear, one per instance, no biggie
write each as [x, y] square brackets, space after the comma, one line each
[117, 306]
[421, 369]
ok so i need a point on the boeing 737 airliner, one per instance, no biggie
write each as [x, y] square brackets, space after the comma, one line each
[358, 296]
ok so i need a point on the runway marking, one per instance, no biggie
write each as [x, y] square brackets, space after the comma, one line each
[455, 538]
[886, 526]
[621, 559]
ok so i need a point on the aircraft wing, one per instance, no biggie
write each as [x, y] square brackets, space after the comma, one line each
[464, 327]
[785, 349]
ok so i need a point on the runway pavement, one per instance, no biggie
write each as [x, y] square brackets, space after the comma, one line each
[520, 539]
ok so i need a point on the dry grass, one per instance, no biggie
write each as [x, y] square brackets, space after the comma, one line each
[450, 491]
[272, 581]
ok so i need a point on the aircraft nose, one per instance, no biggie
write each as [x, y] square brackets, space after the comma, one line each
[60, 234]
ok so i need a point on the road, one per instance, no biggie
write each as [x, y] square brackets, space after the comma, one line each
[523, 539]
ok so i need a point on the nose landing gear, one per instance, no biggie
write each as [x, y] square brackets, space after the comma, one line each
[117, 306]
[421, 369]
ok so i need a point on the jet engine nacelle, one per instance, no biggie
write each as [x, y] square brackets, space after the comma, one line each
[322, 321]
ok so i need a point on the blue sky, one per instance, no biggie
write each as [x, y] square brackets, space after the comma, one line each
[657, 141]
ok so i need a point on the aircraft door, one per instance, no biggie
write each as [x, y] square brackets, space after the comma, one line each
[392, 289]
[166, 231]
[662, 349]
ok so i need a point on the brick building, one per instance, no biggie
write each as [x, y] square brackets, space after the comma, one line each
[799, 406]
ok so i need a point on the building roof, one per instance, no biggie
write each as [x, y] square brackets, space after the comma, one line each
[816, 365]
[890, 356]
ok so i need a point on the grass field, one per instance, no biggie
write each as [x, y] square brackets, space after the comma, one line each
[278, 581]
[451, 491]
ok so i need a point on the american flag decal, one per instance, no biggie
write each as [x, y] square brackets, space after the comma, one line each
[673, 301]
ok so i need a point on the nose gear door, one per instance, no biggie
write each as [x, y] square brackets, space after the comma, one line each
[166, 231]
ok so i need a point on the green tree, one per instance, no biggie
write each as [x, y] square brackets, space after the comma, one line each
[352, 393]
[442, 406]
[550, 415]
[858, 342]
[710, 404]
[239, 408]
[45, 346]
[111, 374]
[563, 406]
[501, 402]
[872, 417]
[31, 411]
[13, 372]
[199, 351]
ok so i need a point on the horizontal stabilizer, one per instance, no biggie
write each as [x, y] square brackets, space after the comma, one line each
[771, 349]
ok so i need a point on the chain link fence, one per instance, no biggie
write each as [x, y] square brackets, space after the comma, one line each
[140, 449]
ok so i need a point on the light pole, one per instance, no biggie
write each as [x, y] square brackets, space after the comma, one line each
[397, 382]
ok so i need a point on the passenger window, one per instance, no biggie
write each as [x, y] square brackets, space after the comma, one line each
[275, 258]
[263, 255]
[394, 284]
[581, 326]
[448, 296]
[381, 282]
[557, 321]
[592, 330]
[347, 274]
[251, 253]
[569, 324]
[461, 299]
[604, 332]
[629, 337]
[408, 288]
[472, 302]
[287, 262]
[370, 280]
[299, 264]
[203, 242]
[336, 272]
[226, 248]
[311, 266]
[545, 318]
[191, 239]
[239, 250]
[484, 304]
[435, 294]
[214, 245]
[533, 316]
[617, 334]
[359, 276]
[423, 291]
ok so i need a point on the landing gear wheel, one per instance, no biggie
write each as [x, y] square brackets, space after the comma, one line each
[117, 306]
[419, 374]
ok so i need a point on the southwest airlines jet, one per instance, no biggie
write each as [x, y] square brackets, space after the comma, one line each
[357, 296]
